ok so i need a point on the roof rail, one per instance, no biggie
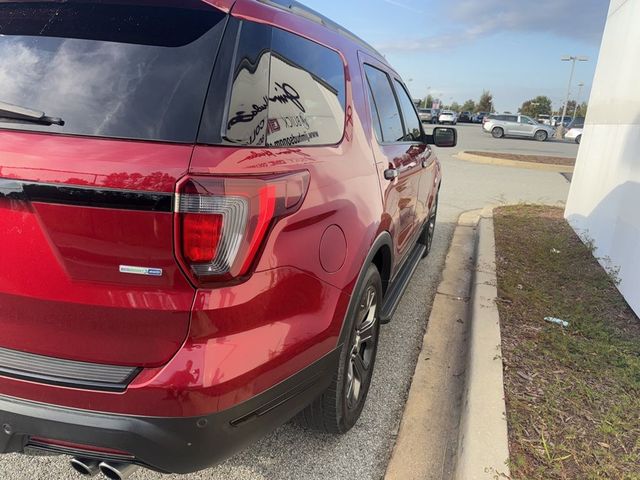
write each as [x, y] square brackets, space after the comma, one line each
[301, 10]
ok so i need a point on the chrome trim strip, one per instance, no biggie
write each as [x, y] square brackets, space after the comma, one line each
[85, 196]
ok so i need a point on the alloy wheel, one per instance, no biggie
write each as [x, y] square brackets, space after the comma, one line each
[362, 348]
[541, 135]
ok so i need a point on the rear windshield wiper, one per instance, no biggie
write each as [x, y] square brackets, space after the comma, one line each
[16, 114]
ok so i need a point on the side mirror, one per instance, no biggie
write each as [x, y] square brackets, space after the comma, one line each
[444, 137]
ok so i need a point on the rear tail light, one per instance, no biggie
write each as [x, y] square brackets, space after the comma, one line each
[201, 236]
[221, 222]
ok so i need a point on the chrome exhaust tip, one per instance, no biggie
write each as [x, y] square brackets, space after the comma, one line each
[85, 466]
[117, 471]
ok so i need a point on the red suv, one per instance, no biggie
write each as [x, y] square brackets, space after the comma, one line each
[207, 209]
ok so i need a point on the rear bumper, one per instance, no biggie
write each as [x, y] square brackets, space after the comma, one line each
[169, 445]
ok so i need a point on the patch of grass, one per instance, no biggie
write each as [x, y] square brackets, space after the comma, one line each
[573, 394]
[564, 161]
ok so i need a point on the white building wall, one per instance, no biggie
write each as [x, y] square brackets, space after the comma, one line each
[604, 200]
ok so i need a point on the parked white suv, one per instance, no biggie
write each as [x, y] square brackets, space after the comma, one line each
[517, 126]
[574, 134]
[447, 116]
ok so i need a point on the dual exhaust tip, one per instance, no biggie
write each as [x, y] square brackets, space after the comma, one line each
[111, 470]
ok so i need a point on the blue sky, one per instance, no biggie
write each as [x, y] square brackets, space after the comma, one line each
[460, 47]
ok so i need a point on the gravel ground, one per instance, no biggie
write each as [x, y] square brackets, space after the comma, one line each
[292, 453]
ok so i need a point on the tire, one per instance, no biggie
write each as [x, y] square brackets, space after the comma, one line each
[578, 139]
[541, 136]
[426, 238]
[497, 132]
[340, 406]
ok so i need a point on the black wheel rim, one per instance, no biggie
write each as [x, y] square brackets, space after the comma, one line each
[362, 348]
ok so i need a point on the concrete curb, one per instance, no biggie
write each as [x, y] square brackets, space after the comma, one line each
[483, 449]
[427, 440]
[513, 163]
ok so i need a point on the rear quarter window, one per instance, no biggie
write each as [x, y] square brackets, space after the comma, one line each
[306, 93]
[283, 90]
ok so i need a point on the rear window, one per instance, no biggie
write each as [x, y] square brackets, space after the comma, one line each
[108, 70]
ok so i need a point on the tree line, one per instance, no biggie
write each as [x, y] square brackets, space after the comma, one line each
[540, 105]
[484, 104]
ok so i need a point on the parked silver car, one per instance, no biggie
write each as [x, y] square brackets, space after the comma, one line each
[426, 115]
[517, 126]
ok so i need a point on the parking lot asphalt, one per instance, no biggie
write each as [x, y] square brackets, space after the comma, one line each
[473, 137]
[363, 453]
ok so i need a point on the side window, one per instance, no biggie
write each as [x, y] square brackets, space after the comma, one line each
[386, 105]
[375, 118]
[413, 132]
[285, 90]
[247, 110]
[306, 94]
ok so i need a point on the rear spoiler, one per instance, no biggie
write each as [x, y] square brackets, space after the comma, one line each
[224, 5]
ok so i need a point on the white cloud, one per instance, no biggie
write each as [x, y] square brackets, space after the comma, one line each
[403, 5]
[472, 19]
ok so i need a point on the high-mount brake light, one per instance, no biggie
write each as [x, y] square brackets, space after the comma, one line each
[221, 222]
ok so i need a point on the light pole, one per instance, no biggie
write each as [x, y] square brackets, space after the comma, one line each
[575, 110]
[572, 59]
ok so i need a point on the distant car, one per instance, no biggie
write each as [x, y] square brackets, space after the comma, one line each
[517, 126]
[464, 117]
[479, 117]
[447, 116]
[577, 122]
[574, 134]
[544, 119]
[426, 115]
[558, 120]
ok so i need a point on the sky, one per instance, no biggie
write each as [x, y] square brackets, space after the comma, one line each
[454, 49]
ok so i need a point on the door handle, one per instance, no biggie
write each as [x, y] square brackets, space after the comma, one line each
[393, 173]
[407, 167]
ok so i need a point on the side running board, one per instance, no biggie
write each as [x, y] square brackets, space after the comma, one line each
[399, 285]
